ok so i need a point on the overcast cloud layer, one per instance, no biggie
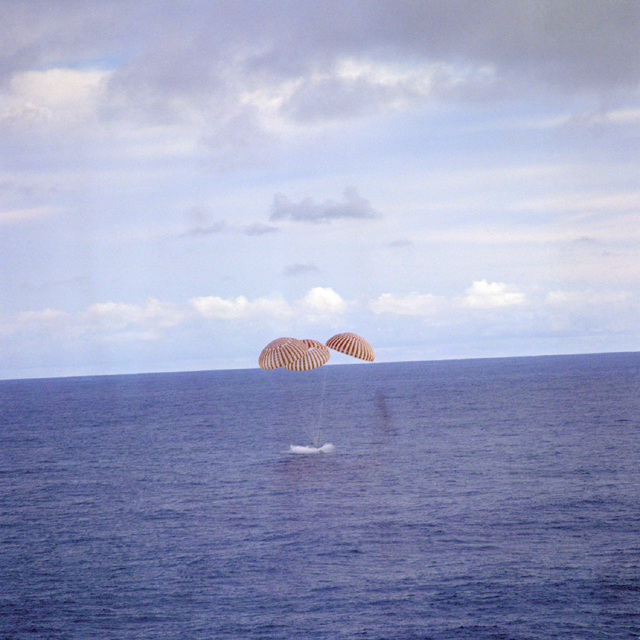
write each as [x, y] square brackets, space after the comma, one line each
[183, 182]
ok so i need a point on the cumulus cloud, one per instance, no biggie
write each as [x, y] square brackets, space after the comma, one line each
[490, 295]
[322, 301]
[150, 321]
[353, 206]
[480, 295]
[318, 303]
[557, 312]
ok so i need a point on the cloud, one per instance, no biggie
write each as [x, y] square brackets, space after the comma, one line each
[480, 295]
[45, 320]
[484, 295]
[322, 301]
[591, 43]
[115, 316]
[118, 321]
[581, 203]
[299, 269]
[352, 207]
[357, 87]
[221, 83]
[259, 229]
[240, 308]
[222, 80]
[60, 96]
[204, 230]
[200, 229]
[319, 303]
[233, 328]
[581, 298]
[589, 311]
[16, 216]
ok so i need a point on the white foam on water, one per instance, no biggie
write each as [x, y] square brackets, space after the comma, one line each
[325, 448]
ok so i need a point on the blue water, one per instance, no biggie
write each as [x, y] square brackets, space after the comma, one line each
[465, 499]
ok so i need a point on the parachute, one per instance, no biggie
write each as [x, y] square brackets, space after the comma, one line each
[281, 352]
[309, 354]
[353, 345]
[317, 355]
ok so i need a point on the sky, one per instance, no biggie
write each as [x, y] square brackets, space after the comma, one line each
[183, 182]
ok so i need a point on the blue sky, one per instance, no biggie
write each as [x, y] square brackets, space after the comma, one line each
[182, 182]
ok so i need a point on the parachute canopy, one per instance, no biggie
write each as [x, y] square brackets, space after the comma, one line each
[308, 354]
[317, 355]
[353, 345]
[281, 352]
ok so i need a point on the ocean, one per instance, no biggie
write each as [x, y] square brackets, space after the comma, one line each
[476, 499]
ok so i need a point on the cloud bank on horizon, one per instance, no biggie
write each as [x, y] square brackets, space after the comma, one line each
[180, 182]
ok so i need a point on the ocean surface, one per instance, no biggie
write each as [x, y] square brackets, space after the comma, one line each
[477, 499]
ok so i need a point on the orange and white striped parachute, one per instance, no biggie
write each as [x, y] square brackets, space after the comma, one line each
[353, 345]
[281, 352]
[317, 355]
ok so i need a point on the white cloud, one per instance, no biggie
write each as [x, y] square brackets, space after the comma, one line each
[115, 316]
[322, 301]
[490, 295]
[117, 321]
[59, 95]
[480, 295]
[623, 116]
[47, 322]
[318, 303]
